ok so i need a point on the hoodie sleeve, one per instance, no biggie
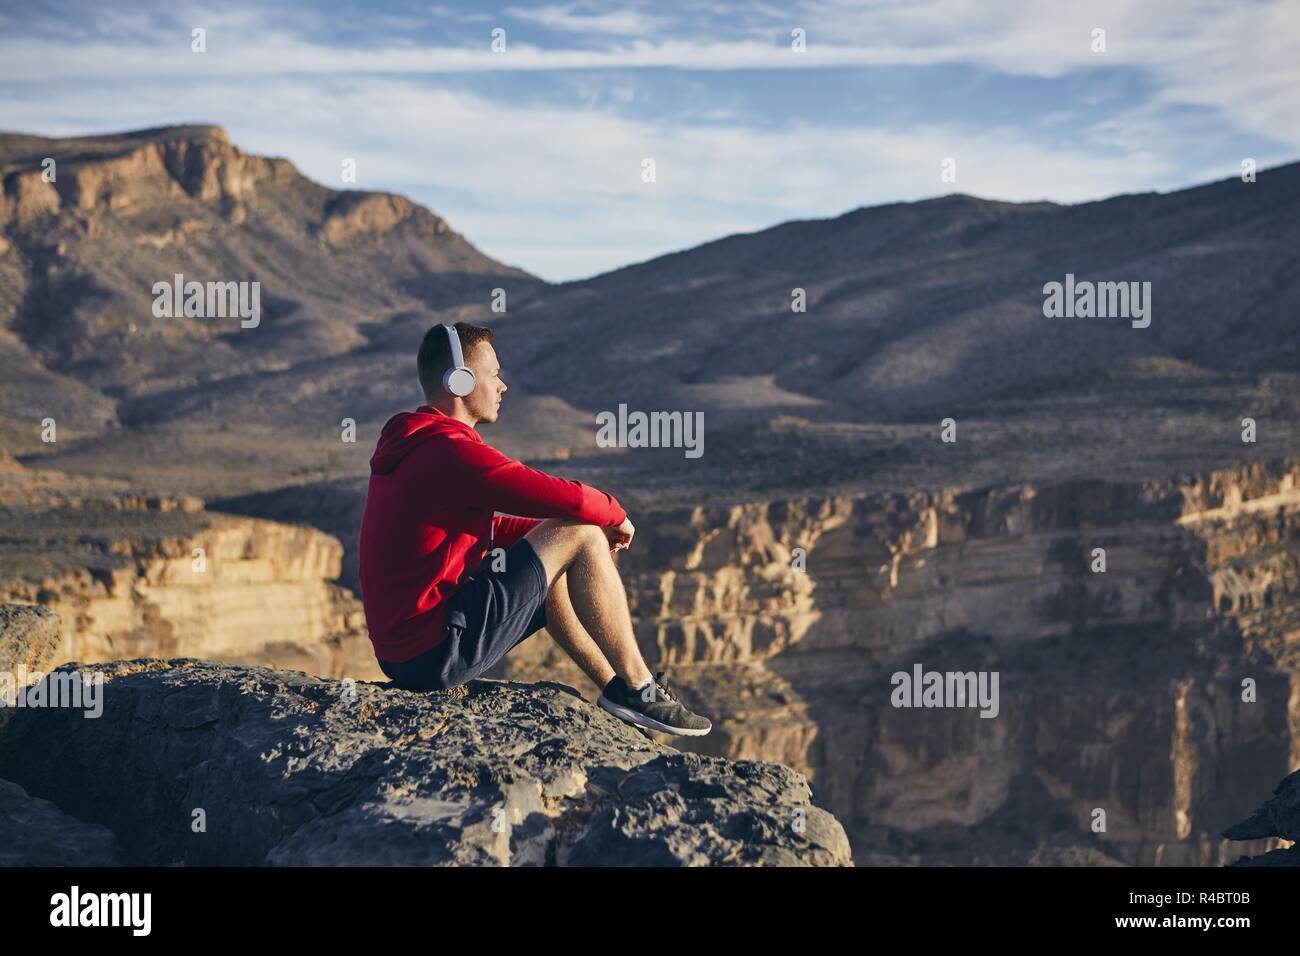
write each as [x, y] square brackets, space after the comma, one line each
[506, 530]
[480, 476]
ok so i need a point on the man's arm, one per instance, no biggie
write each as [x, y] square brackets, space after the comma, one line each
[507, 530]
[482, 477]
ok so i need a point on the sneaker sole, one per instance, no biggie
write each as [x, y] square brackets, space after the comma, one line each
[641, 720]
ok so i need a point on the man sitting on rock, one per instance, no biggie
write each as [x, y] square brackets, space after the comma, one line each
[438, 615]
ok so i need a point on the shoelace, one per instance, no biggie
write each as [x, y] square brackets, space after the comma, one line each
[666, 692]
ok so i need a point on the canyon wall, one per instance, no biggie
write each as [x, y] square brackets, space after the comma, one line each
[1120, 691]
[1161, 695]
[135, 575]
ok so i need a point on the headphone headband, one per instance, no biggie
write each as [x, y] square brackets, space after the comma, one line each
[457, 358]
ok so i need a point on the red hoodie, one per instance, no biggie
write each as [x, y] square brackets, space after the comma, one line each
[434, 486]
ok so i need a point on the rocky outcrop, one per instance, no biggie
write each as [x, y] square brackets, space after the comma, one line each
[203, 763]
[122, 173]
[29, 637]
[354, 213]
[1278, 818]
[34, 832]
[138, 575]
[29, 640]
[1164, 691]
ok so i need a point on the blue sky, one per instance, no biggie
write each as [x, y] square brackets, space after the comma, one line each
[535, 154]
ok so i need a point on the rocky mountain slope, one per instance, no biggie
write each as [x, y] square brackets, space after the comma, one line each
[80, 341]
[928, 309]
[915, 312]
[130, 210]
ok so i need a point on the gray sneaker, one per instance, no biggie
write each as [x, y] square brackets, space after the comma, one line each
[656, 708]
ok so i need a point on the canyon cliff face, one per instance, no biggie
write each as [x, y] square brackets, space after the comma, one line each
[138, 575]
[1121, 691]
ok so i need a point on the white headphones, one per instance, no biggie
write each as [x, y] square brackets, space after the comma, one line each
[459, 380]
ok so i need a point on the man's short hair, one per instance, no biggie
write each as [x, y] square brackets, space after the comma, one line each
[435, 353]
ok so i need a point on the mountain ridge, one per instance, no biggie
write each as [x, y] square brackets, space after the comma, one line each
[916, 312]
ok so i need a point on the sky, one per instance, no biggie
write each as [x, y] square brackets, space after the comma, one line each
[536, 152]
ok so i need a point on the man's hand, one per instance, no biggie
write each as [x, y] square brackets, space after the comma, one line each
[620, 537]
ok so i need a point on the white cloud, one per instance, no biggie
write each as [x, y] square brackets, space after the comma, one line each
[1242, 59]
[626, 22]
[557, 190]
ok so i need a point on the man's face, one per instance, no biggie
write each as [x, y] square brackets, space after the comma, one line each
[484, 403]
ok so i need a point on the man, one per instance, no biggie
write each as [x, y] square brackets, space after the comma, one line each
[439, 617]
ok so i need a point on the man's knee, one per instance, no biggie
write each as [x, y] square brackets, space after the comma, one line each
[592, 535]
[578, 531]
[559, 542]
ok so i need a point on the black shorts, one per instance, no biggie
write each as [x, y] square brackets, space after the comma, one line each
[492, 612]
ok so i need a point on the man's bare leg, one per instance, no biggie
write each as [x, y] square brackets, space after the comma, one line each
[563, 625]
[581, 553]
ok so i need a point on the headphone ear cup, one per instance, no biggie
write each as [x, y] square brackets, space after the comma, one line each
[459, 381]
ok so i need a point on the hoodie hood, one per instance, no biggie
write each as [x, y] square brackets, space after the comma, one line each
[407, 430]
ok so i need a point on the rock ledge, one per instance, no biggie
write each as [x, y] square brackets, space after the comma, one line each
[201, 763]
